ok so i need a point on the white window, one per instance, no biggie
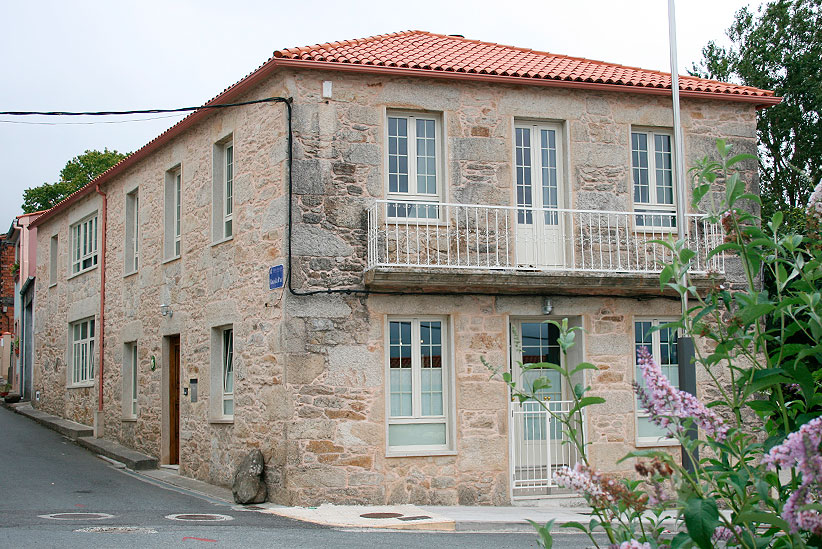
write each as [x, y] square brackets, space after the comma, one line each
[132, 232]
[652, 171]
[661, 343]
[414, 165]
[53, 261]
[418, 386]
[228, 372]
[537, 171]
[130, 371]
[84, 245]
[223, 190]
[82, 352]
[173, 212]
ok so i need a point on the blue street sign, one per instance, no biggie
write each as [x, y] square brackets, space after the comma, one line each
[275, 277]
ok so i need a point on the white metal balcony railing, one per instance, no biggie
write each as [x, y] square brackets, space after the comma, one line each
[509, 238]
[539, 446]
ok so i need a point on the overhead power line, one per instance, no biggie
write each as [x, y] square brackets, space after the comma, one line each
[140, 111]
[90, 123]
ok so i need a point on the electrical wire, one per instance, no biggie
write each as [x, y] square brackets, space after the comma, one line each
[89, 123]
[139, 111]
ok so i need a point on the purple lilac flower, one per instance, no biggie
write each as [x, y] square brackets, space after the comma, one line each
[723, 533]
[582, 479]
[664, 402]
[634, 544]
[801, 450]
[815, 203]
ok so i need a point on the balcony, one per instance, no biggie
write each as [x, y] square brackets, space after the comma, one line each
[470, 247]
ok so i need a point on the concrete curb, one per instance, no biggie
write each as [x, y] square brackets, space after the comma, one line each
[83, 436]
[65, 427]
[133, 460]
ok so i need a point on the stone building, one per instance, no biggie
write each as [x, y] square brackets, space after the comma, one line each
[334, 308]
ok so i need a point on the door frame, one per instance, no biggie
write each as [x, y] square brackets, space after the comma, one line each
[533, 235]
[576, 354]
[171, 376]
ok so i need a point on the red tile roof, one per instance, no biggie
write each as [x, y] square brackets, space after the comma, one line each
[429, 52]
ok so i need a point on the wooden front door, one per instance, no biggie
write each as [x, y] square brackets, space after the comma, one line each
[174, 401]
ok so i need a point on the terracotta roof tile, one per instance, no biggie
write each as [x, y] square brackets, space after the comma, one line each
[427, 51]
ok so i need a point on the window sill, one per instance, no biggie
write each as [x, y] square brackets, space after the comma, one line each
[419, 453]
[654, 443]
[52, 285]
[171, 259]
[82, 385]
[222, 420]
[223, 241]
[81, 272]
[132, 273]
[129, 419]
[416, 222]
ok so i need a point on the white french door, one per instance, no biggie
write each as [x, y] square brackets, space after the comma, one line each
[540, 241]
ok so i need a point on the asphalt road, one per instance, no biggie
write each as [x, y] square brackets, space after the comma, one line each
[42, 474]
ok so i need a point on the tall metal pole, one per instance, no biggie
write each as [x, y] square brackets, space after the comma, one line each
[685, 345]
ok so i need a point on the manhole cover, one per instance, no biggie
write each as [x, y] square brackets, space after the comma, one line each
[77, 516]
[116, 530]
[417, 517]
[381, 515]
[212, 517]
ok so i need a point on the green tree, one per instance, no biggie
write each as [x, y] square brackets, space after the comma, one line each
[78, 172]
[779, 48]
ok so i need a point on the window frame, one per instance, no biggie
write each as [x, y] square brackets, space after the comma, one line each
[131, 256]
[172, 220]
[223, 201]
[219, 356]
[408, 198]
[77, 255]
[448, 385]
[227, 370]
[130, 380]
[656, 321]
[79, 348]
[54, 243]
[665, 211]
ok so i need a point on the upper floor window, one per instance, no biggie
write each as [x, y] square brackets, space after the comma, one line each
[414, 164]
[132, 233]
[652, 171]
[223, 190]
[173, 212]
[53, 260]
[82, 351]
[661, 342]
[221, 405]
[84, 245]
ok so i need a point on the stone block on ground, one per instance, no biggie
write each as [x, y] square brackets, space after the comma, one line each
[249, 485]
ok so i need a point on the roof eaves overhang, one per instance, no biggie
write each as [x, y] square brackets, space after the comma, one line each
[759, 100]
[269, 66]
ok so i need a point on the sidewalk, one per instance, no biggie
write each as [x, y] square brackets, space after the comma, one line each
[399, 517]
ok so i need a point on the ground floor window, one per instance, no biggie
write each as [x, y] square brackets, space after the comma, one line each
[130, 380]
[418, 385]
[82, 351]
[661, 342]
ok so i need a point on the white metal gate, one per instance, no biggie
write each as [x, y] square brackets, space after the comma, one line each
[539, 446]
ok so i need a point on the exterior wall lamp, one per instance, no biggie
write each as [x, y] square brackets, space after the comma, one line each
[165, 310]
[547, 305]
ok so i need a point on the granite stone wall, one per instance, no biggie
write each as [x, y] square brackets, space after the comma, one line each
[310, 370]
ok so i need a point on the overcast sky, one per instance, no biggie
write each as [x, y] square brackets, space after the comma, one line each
[122, 55]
